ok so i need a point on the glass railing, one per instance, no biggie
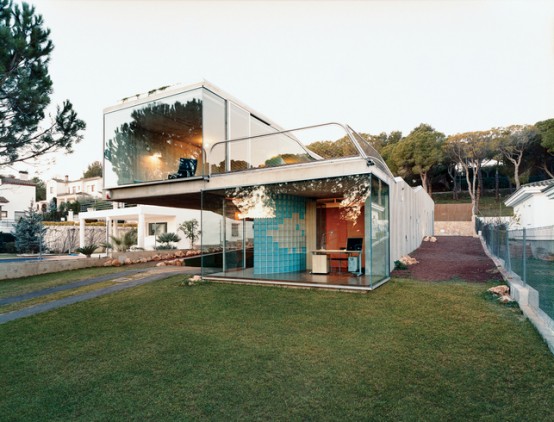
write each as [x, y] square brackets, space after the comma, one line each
[313, 143]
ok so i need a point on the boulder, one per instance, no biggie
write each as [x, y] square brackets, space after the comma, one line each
[505, 299]
[432, 239]
[161, 264]
[408, 260]
[500, 290]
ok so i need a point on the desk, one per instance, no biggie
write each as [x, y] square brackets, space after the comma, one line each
[321, 265]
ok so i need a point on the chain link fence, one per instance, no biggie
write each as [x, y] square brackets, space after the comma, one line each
[527, 253]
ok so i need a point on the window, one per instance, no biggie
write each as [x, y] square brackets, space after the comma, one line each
[234, 229]
[155, 229]
[3, 214]
[73, 189]
[51, 189]
[146, 142]
[92, 188]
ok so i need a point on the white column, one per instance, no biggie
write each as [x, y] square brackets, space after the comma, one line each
[108, 229]
[140, 229]
[115, 228]
[82, 232]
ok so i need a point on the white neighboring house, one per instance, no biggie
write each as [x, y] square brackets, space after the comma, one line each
[533, 204]
[65, 190]
[155, 220]
[16, 196]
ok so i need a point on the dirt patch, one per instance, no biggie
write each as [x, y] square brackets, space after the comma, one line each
[451, 257]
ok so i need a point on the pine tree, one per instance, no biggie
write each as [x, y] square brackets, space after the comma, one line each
[25, 89]
[30, 232]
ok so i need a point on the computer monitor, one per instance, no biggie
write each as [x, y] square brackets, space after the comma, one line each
[354, 244]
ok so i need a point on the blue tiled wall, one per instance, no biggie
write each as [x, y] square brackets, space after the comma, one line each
[280, 242]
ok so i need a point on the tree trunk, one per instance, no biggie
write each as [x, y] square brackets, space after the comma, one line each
[496, 185]
[479, 187]
[547, 171]
[454, 176]
[423, 177]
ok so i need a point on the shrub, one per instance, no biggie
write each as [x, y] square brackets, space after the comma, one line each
[87, 250]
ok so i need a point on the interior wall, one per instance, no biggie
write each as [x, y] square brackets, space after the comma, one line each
[311, 231]
[280, 242]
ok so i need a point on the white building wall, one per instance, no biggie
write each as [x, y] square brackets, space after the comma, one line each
[535, 211]
[20, 198]
[411, 218]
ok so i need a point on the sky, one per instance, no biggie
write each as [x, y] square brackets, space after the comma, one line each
[375, 65]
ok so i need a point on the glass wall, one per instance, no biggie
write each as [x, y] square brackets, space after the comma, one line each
[269, 232]
[213, 124]
[377, 241]
[227, 236]
[157, 140]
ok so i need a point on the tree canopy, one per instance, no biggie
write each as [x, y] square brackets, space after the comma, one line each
[94, 169]
[418, 153]
[512, 143]
[25, 89]
[30, 232]
[546, 130]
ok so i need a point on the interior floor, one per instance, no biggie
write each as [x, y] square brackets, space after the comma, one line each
[303, 277]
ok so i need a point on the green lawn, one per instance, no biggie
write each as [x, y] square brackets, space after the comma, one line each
[162, 351]
[19, 286]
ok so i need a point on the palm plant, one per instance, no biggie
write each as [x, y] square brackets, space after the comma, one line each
[166, 239]
[125, 242]
[87, 250]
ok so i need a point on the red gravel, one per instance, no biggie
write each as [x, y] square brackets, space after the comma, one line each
[451, 257]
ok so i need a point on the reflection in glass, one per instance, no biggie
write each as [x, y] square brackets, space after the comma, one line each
[154, 141]
[378, 214]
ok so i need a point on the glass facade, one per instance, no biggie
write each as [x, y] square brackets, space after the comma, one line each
[158, 140]
[255, 231]
[377, 214]
[270, 231]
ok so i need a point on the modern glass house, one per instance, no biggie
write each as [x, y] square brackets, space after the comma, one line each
[315, 206]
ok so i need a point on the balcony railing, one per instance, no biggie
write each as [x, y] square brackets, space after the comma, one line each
[329, 141]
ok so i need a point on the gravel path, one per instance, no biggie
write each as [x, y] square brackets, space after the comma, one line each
[451, 257]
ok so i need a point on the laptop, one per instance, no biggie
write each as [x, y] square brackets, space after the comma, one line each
[354, 243]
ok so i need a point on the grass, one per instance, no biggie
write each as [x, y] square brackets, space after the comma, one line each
[18, 286]
[54, 296]
[161, 351]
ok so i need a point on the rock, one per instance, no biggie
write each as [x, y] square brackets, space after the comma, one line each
[116, 263]
[156, 258]
[432, 239]
[505, 299]
[500, 290]
[195, 278]
[128, 261]
[426, 239]
[108, 263]
[161, 264]
[408, 260]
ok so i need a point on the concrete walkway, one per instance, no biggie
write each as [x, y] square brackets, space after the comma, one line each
[125, 280]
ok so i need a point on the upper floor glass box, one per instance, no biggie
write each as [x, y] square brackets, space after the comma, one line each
[167, 134]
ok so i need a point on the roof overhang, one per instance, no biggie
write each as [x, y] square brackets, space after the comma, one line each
[186, 193]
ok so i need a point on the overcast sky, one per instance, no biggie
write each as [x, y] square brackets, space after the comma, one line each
[378, 66]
